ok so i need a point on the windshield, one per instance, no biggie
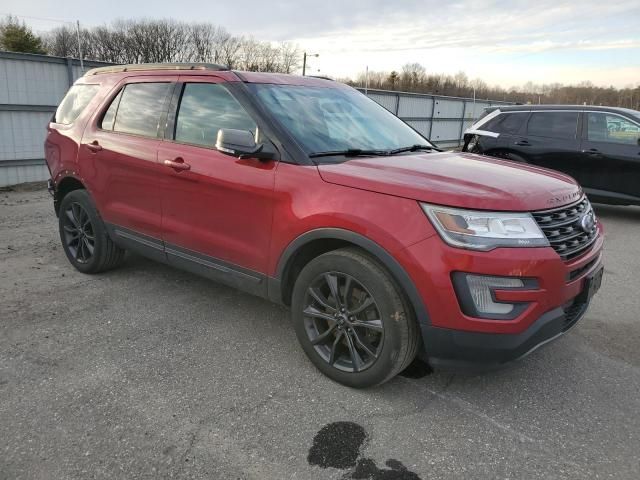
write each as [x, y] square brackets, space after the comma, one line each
[335, 119]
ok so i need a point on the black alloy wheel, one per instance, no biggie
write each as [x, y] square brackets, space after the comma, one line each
[78, 232]
[84, 236]
[343, 322]
[352, 320]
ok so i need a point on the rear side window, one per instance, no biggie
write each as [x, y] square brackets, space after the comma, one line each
[512, 123]
[137, 109]
[560, 125]
[204, 109]
[492, 125]
[74, 102]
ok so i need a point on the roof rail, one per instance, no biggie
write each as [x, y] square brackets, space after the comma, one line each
[140, 67]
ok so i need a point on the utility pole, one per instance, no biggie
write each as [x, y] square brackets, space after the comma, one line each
[366, 79]
[304, 61]
[474, 101]
[79, 45]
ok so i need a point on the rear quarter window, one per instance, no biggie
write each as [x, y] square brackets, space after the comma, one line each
[74, 102]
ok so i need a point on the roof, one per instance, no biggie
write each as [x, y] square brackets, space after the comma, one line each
[287, 79]
[527, 108]
[204, 68]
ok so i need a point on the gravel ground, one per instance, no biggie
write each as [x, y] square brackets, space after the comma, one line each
[149, 372]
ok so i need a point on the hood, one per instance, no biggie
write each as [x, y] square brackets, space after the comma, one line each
[457, 180]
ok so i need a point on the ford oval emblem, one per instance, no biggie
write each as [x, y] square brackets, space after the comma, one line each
[588, 223]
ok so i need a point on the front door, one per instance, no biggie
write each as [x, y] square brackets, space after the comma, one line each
[216, 208]
[611, 155]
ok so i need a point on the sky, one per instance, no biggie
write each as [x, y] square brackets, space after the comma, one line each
[504, 43]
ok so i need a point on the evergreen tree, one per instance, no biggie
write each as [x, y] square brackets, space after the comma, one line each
[17, 37]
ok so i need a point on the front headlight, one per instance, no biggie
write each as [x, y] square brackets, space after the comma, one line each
[480, 230]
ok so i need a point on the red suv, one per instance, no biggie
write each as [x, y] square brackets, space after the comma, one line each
[306, 192]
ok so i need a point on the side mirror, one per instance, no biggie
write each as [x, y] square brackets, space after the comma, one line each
[241, 144]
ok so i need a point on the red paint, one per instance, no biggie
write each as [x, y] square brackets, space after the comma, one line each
[248, 211]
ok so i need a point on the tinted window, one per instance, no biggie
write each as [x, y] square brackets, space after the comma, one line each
[110, 116]
[602, 127]
[553, 124]
[512, 122]
[492, 125]
[140, 108]
[204, 109]
[74, 102]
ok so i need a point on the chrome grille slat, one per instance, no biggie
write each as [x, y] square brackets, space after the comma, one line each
[562, 227]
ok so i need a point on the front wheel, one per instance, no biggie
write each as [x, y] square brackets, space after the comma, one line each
[351, 319]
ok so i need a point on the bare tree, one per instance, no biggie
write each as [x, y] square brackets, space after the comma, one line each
[289, 57]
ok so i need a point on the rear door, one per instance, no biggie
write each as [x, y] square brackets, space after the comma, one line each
[510, 128]
[217, 209]
[611, 154]
[121, 146]
[550, 139]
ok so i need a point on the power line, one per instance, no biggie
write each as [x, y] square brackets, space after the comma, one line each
[48, 19]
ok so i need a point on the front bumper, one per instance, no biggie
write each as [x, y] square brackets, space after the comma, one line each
[447, 349]
[452, 339]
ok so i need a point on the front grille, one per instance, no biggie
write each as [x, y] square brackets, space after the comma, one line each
[563, 228]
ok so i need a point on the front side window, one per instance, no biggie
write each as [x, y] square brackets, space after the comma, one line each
[204, 109]
[138, 110]
[325, 119]
[561, 125]
[74, 102]
[603, 127]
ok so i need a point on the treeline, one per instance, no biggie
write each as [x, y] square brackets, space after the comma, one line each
[413, 77]
[144, 41]
[139, 41]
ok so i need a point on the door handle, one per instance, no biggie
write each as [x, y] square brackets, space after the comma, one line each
[94, 146]
[177, 164]
[523, 143]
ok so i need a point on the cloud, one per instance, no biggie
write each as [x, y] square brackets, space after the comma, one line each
[478, 36]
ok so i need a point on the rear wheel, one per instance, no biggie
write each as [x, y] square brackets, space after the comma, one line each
[351, 319]
[84, 236]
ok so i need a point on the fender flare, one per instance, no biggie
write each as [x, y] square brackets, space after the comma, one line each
[383, 256]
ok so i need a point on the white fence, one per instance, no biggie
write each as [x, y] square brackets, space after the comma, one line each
[441, 119]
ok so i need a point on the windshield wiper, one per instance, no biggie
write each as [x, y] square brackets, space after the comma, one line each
[350, 152]
[412, 148]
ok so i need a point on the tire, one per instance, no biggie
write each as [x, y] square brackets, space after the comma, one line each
[84, 237]
[384, 334]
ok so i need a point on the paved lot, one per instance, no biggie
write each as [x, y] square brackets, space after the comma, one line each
[149, 372]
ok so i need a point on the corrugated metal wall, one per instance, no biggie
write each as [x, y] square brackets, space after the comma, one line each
[439, 118]
[31, 86]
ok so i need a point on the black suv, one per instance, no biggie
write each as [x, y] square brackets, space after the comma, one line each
[598, 146]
